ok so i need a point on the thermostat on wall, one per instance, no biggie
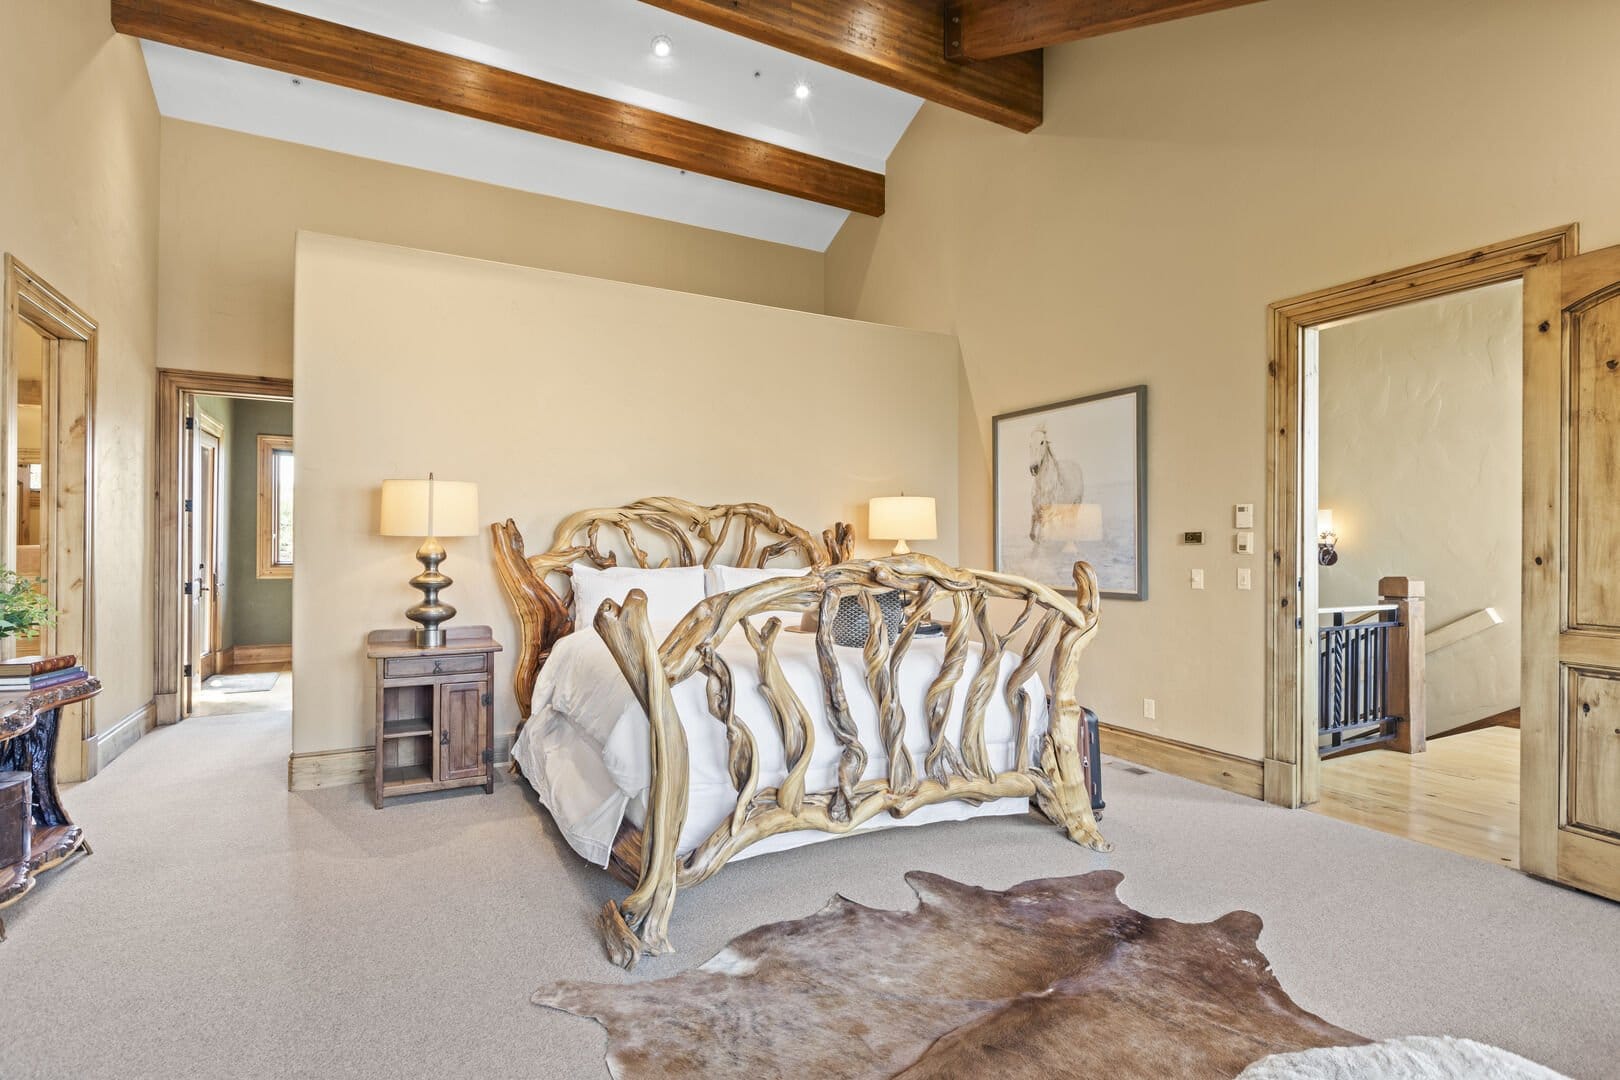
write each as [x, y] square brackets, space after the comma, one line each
[1192, 537]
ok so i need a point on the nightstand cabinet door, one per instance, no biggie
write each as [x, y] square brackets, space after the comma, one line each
[463, 720]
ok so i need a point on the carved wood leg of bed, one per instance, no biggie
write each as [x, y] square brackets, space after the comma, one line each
[1065, 797]
[639, 924]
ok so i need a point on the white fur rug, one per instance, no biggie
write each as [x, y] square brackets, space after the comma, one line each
[1416, 1057]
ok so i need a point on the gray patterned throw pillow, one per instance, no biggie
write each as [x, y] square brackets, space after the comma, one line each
[850, 624]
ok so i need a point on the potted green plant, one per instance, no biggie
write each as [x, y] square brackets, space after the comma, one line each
[23, 607]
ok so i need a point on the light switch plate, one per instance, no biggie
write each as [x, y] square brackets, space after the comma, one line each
[1198, 579]
[1243, 516]
[1245, 578]
[1245, 543]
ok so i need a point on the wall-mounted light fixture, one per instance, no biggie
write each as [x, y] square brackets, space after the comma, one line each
[1327, 541]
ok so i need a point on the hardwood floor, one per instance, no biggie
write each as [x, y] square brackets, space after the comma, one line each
[1462, 794]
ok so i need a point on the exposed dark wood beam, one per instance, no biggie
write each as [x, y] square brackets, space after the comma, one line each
[987, 30]
[285, 41]
[893, 42]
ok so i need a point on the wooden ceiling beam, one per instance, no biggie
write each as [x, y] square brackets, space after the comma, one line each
[991, 30]
[272, 37]
[893, 42]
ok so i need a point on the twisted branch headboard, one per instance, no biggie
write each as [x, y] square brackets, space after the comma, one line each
[734, 534]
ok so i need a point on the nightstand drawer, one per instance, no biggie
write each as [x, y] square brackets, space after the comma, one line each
[413, 666]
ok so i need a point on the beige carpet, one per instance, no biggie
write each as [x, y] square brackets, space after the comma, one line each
[225, 928]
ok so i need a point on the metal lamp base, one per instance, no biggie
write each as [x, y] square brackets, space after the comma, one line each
[431, 614]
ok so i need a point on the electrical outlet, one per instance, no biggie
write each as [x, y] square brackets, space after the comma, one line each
[1198, 579]
[1149, 709]
[1245, 579]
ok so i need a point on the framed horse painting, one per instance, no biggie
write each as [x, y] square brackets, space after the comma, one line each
[1071, 484]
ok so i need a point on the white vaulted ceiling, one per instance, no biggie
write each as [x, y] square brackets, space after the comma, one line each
[600, 46]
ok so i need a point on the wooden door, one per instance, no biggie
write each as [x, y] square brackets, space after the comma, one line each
[461, 728]
[190, 555]
[208, 516]
[1570, 767]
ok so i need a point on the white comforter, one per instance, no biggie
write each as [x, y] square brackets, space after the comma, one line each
[585, 748]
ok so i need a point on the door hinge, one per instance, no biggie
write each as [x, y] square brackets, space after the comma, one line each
[188, 588]
[489, 756]
[188, 671]
[188, 506]
[191, 423]
[1299, 622]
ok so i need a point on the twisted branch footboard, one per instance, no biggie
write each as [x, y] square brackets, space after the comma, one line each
[1057, 778]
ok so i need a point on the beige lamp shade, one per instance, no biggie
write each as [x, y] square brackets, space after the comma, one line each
[429, 508]
[1324, 523]
[901, 518]
[1076, 522]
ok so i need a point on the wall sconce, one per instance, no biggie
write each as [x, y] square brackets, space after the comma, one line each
[1327, 541]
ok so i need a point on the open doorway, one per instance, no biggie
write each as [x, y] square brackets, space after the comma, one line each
[226, 556]
[1391, 625]
[240, 537]
[47, 509]
[1419, 460]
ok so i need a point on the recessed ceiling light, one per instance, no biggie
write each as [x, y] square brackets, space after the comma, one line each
[801, 91]
[662, 46]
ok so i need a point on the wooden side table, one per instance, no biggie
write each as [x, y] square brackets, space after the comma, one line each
[28, 729]
[435, 715]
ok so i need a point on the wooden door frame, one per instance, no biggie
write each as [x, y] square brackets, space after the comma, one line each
[168, 569]
[71, 482]
[1292, 765]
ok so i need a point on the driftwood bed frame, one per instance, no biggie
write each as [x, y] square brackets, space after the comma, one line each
[696, 535]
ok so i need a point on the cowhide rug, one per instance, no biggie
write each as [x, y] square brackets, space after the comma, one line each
[1051, 978]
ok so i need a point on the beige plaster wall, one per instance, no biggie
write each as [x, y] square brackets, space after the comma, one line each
[233, 204]
[554, 393]
[79, 206]
[1420, 461]
[1186, 176]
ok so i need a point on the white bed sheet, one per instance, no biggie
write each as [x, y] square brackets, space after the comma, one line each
[585, 747]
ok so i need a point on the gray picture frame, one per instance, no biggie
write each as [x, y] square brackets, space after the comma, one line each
[1110, 576]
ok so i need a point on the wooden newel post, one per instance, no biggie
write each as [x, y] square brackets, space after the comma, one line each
[1406, 664]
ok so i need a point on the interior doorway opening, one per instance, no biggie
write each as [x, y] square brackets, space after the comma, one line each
[47, 507]
[239, 531]
[1417, 418]
[1293, 766]
[225, 549]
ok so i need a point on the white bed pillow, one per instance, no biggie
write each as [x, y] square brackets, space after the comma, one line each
[730, 578]
[671, 591]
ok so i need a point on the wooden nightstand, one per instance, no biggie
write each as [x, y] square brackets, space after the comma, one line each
[435, 715]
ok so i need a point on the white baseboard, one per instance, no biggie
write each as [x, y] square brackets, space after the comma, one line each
[336, 768]
[102, 747]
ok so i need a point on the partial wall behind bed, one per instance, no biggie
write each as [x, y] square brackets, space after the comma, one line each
[555, 392]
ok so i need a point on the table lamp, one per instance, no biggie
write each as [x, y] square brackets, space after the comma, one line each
[429, 508]
[901, 518]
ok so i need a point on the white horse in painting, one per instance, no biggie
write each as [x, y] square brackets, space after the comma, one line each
[1056, 482]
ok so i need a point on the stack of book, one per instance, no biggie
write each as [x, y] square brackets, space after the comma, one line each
[27, 674]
